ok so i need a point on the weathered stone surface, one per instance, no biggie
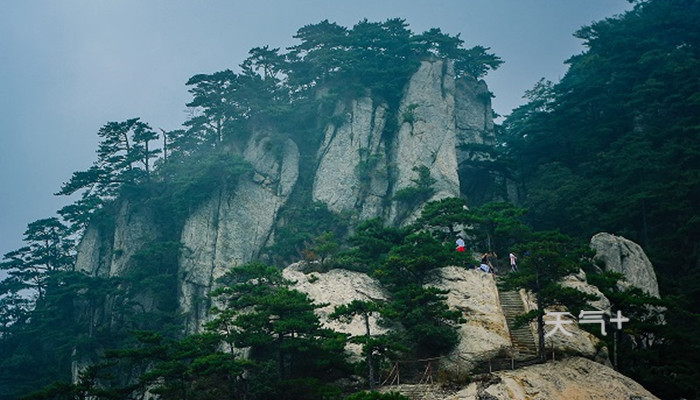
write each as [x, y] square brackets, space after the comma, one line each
[133, 228]
[485, 333]
[361, 167]
[335, 288]
[571, 379]
[106, 253]
[579, 342]
[232, 227]
[624, 256]
[276, 164]
[352, 172]
[427, 133]
[473, 114]
[93, 253]
[580, 283]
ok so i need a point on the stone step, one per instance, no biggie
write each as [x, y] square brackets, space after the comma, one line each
[521, 337]
[513, 304]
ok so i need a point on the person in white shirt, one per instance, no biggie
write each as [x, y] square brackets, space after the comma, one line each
[513, 262]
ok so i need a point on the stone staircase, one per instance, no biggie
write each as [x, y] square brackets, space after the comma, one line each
[521, 337]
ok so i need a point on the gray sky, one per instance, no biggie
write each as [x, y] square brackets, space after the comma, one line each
[70, 66]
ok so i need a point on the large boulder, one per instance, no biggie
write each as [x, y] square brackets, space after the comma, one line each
[617, 254]
[579, 282]
[334, 288]
[579, 342]
[572, 379]
[485, 333]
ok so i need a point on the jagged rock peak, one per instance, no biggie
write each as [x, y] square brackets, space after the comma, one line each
[366, 158]
[621, 255]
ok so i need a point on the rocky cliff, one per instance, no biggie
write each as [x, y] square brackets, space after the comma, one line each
[367, 154]
[362, 165]
[232, 227]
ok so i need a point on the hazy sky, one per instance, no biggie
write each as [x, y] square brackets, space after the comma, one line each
[68, 66]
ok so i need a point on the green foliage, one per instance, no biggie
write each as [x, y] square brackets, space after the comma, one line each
[123, 159]
[171, 369]
[602, 151]
[379, 56]
[498, 226]
[411, 261]
[547, 258]
[303, 231]
[278, 324]
[49, 248]
[186, 183]
[46, 341]
[474, 62]
[366, 170]
[370, 344]
[413, 196]
[324, 246]
[494, 227]
[372, 243]
[450, 213]
[428, 322]
[376, 396]
[612, 147]
[151, 284]
[409, 113]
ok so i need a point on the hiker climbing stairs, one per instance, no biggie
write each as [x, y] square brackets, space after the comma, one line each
[521, 337]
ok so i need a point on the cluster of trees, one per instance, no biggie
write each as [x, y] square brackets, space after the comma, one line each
[284, 87]
[49, 309]
[287, 351]
[613, 147]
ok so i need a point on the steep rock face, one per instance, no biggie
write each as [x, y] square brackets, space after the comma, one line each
[232, 227]
[485, 333]
[473, 115]
[623, 256]
[352, 172]
[132, 229]
[93, 254]
[428, 134]
[361, 164]
[108, 252]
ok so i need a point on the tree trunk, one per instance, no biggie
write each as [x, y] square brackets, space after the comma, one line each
[370, 350]
[540, 319]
